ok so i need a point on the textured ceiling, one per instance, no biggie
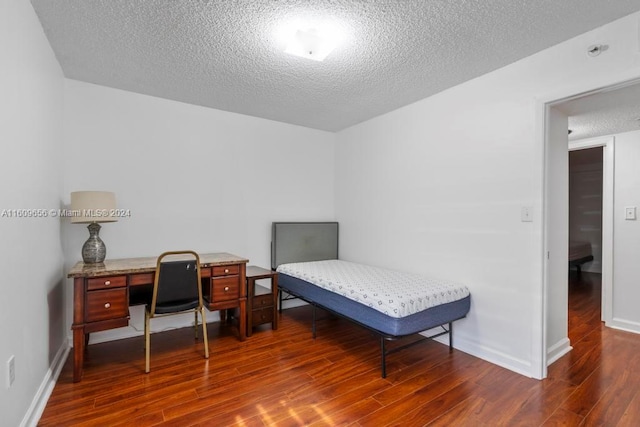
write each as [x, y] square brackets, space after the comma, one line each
[604, 113]
[227, 55]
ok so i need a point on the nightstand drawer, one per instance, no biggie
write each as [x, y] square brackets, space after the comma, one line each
[225, 270]
[225, 289]
[258, 317]
[106, 282]
[105, 305]
[261, 301]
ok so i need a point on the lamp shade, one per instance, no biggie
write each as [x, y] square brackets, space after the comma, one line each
[93, 206]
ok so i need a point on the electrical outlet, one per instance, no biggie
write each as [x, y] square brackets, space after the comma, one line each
[630, 213]
[526, 214]
[11, 371]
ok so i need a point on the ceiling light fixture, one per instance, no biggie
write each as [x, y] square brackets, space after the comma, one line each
[310, 44]
[311, 37]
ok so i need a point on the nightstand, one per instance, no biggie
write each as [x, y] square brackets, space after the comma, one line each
[261, 300]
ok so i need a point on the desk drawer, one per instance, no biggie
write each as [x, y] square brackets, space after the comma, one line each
[141, 279]
[225, 289]
[106, 282]
[106, 304]
[225, 270]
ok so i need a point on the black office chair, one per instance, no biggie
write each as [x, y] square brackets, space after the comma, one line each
[176, 289]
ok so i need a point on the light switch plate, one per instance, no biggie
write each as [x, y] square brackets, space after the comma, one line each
[526, 214]
[630, 213]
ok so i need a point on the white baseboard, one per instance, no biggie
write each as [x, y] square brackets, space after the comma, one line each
[474, 348]
[558, 350]
[41, 398]
[520, 366]
[624, 325]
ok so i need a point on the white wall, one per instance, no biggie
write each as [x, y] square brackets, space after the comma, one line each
[192, 177]
[437, 187]
[31, 293]
[626, 237]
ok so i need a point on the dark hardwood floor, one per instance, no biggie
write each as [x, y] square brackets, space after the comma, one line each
[286, 378]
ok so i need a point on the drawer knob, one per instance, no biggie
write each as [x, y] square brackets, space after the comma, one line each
[226, 288]
[107, 282]
[226, 270]
[107, 305]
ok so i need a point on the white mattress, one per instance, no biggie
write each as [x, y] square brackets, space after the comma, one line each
[393, 293]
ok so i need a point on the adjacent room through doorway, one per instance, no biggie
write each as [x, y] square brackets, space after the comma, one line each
[585, 241]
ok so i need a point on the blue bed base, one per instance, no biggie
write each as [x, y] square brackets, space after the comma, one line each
[387, 327]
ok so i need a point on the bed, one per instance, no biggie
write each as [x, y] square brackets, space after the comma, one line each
[579, 253]
[390, 303]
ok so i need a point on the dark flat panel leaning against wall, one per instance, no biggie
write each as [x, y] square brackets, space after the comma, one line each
[303, 241]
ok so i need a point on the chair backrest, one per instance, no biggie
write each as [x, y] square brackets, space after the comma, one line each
[177, 280]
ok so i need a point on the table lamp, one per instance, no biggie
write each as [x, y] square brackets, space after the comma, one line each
[93, 207]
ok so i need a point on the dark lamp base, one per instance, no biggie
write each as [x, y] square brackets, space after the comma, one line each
[94, 251]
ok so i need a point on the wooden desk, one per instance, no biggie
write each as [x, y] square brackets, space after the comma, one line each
[103, 292]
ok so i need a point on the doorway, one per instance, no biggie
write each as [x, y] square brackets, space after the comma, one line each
[557, 118]
[585, 241]
[585, 210]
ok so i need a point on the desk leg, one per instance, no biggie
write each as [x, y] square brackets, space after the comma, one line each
[242, 322]
[79, 338]
[78, 352]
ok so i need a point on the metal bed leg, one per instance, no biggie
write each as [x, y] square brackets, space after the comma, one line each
[450, 337]
[383, 358]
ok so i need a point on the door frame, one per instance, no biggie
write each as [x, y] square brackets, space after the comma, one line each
[541, 109]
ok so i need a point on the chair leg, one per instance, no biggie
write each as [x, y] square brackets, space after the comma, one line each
[147, 340]
[204, 333]
[195, 323]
